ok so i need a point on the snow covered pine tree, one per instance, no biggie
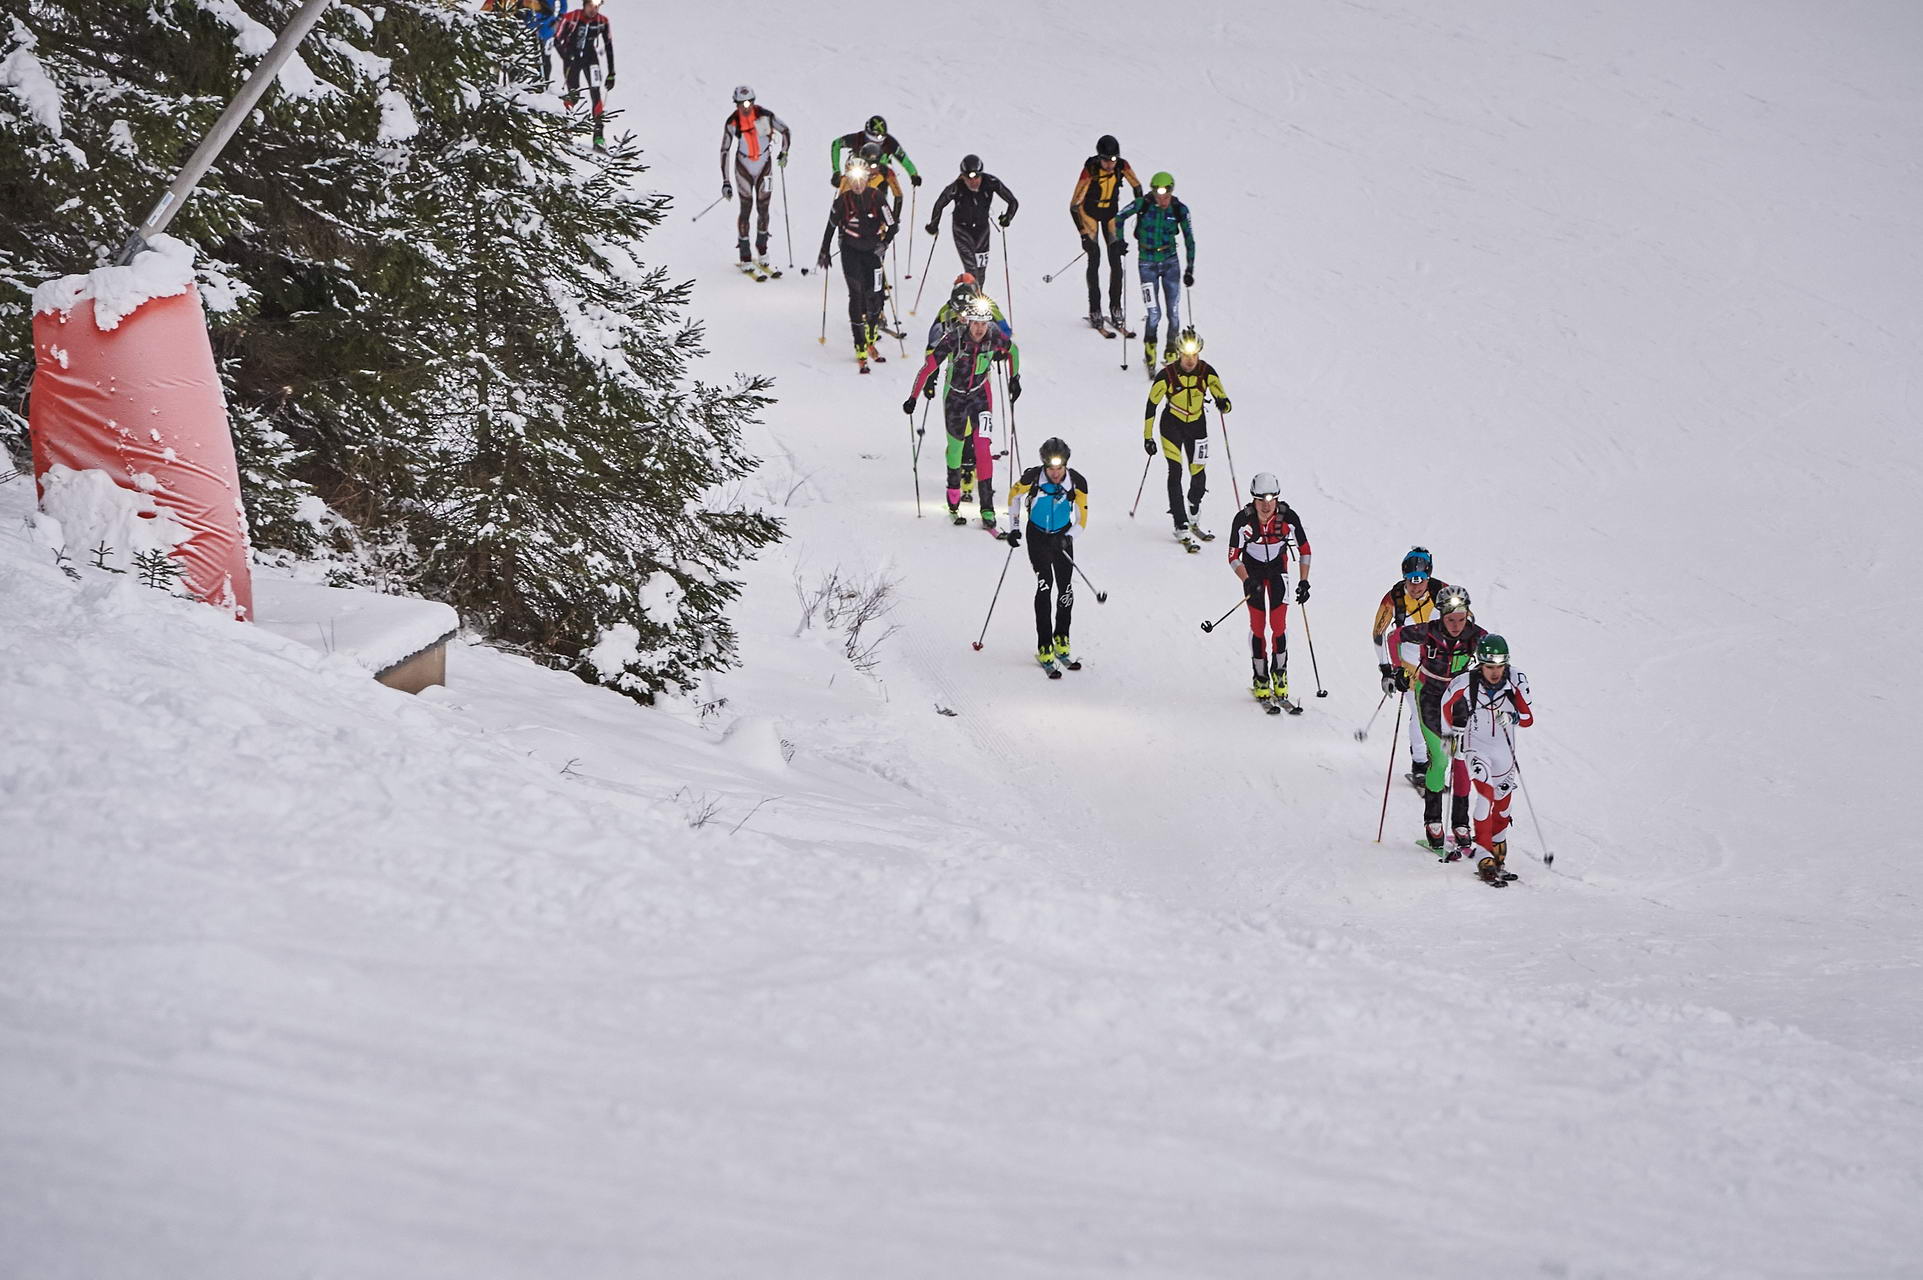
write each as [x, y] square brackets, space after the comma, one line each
[426, 298]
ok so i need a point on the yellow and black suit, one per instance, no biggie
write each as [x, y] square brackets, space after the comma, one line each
[1185, 431]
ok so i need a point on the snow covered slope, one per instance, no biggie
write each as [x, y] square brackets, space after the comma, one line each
[1612, 309]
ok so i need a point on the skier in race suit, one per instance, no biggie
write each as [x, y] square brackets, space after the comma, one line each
[971, 194]
[1259, 553]
[1439, 650]
[1411, 599]
[961, 300]
[749, 133]
[1055, 498]
[1093, 207]
[971, 351]
[865, 225]
[1483, 707]
[1158, 221]
[886, 143]
[581, 37]
[1185, 383]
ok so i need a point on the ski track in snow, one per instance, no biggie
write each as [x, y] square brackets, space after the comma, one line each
[1105, 974]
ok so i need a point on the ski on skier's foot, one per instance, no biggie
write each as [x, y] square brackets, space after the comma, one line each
[1204, 534]
[1270, 707]
[1189, 545]
[767, 272]
[1418, 779]
[862, 366]
[1071, 663]
[753, 272]
[1124, 330]
[899, 335]
[1494, 879]
[1285, 704]
[1100, 326]
[940, 710]
[956, 518]
[1054, 672]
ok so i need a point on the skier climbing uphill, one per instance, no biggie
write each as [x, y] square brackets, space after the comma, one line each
[1158, 221]
[1411, 599]
[581, 37]
[1438, 650]
[1054, 498]
[1483, 707]
[1093, 207]
[748, 133]
[961, 299]
[1259, 542]
[970, 350]
[865, 226]
[1185, 383]
[971, 194]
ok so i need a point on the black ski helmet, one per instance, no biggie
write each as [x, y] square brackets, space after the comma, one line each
[1107, 146]
[971, 165]
[1055, 452]
[963, 297]
[877, 127]
[871, 152]
[1418, 561]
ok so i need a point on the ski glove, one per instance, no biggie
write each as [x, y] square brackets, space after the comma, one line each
[1121, 247]
[914, 179]
[1014, 537]
[908, 405]
[727, 191]
[782, 159]
[1188, 279]
[1302, 591]
[822, 263]
[1388, 677]
[1222, 403]
[1148, 446]
[610, 79]
[1005, 219]
[1014, 387]
[933, 228]
[1402, 680]
[928, 392]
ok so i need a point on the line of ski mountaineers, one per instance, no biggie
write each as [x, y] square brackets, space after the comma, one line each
[1464, 698]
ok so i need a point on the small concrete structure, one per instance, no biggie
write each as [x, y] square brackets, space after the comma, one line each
[401, 641]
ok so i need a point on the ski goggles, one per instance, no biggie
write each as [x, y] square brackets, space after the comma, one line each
[1415, 576]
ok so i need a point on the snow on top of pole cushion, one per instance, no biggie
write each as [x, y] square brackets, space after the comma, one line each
[163, 269]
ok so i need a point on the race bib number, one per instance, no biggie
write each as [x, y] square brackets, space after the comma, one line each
[879, 281]
[596, 76]
[1201, 450]
[985, 425]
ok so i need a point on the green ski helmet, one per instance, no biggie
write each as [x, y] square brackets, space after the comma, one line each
[1163, 181]
[1492, 651]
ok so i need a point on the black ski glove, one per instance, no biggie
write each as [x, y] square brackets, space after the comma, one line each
[1222, 403]
[823, 263]
[1005, 219]
[933, 228]
[914, 179]
[908, 405]
[1015, 537]
[1402, 680]
[1148, 446]
[1014, 387]
[1121, 248]
[1388, 677]
[1188, 278]
[928, 392]
[727, 191]
[1302, 591]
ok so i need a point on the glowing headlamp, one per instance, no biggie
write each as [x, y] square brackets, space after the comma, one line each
[1453, 602]
[973, 173]
[1495, 660]
[1270, 496]
[1191, 347]
[1162, 191]
[857, 170]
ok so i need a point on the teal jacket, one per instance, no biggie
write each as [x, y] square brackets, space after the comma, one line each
[1156, 228]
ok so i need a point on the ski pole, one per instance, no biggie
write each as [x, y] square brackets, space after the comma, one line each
[901, 334]
[1394, 743]
[998, 595]
[1138, 488]
[914, 202]
[1223, 418]
[1101, 596]
[824, 308]
[932, 242]
[717, 200]
[786, 230]
[1210, 626]
[915, 434]
[1362, 734]
[1320, 692]
[1548, 858]
[1008, 287]
[1123, 335]
[1065, 266]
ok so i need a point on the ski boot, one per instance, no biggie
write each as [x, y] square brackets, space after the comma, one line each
[1148, 355]
[1462, 844]
[988, 522]
[1262, 688]
[861, 364]
[1115, 318]
[1432, 836]
[1064, 657]
[1195, 523]
[1493, 868]
[874, 353]
[1186, 536]
[1418, 775]
[1046, 659]
[600, 141]
[955, 516]
[968, 486]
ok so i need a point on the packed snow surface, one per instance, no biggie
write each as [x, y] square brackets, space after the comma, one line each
[1613, 307]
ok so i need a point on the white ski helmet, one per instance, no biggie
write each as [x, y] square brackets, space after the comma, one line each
[1265, 485]
[744, 93]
